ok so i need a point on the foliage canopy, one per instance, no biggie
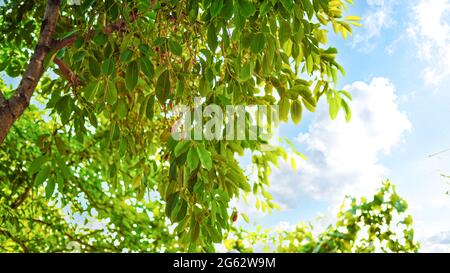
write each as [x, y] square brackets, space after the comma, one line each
[108, 74]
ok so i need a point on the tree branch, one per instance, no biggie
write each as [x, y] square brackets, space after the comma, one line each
[75, 239]
[67, 72]
[60, 44]
[21, 198]
[16, 240]
[11, 110]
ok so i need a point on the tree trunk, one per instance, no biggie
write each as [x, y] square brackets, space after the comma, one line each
[10, 110]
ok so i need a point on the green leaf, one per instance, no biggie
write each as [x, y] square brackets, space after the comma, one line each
[180, 213]
[288, 5]
[132, 75]
[193, 11]
[163, 86]
[94, 67]
[90, 90]
[408, 220]
[296, 111]
[216, 8]
[59, 181]
[108, 67]
[246, 8]
[227, 10]
[245, 186]
[60, 145]
[149, 109]
[171, 202]
[182, 147]
[309, 64]
[306, 94]
[246, 72]
[137, 181]
[192, 159]
[122, 109]
[308, 8]
[147, 67]
[309, 106]
[401, 206]
[346, 94]
[195, 231]
[348, 111]
[203, 87]
[205, 157]
[126, 56]
[258, 42]
[245, 217]
[100, 38]
[36, 164]
[65, 170]
[175, 47]
[284, 32]
[334, 75]
[49, 188]
[264, 9]
[353, 18]
[79, 56]
[140, 195]
[111, 92]
[42, 175]
[108, 51]
[284, 105]
[212, 37]
[179, 87]
[334, 106]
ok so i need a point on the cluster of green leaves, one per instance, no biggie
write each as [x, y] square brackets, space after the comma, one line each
[379, 225]
[136, 60]
[64, 204]
[54, 198]
[19, 25]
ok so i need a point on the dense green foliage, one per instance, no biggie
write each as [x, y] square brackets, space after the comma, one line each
[83, 214]
[380, 225]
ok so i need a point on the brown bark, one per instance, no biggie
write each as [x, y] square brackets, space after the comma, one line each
[11, 109]
[60, 44]
[67, 72]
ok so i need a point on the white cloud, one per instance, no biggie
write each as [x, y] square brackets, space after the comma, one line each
[438, 243]
[430, 29]
[374, 21]
[375, 2]
[343, 158]
[441, 238]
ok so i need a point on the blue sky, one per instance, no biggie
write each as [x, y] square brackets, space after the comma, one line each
[398, 70]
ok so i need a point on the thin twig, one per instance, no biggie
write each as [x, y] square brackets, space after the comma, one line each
[68, 73]
[21, 198]
[16, 240]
